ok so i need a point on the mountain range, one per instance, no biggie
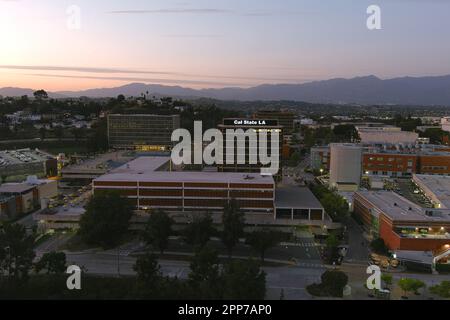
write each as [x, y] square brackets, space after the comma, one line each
[433, 90]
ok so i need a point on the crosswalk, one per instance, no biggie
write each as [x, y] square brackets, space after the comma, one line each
[300, 244]
[310, 265]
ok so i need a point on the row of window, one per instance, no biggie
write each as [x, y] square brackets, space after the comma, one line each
[390, 159]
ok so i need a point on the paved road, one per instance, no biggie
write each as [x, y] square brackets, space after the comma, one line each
[292, 280]
[305, 252]
[358, 245]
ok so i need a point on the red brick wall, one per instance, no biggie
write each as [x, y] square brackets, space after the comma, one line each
[435, 164]
[423, 244]
[395, 242]
[398, 163]
[391, 239]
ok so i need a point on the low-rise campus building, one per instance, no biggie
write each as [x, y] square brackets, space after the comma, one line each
[17, 199]
[148, 184]
[402, 224]
[388, 160]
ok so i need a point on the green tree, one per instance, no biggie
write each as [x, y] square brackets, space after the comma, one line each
[378, 246]
[149, 278]
[335, 206]
[294, 159]
[98, 141]
[78, 133]
[106, 219]
[158, 230]
[410, 285]
[24, 100]
[204, 276]
[331, 241]
[436, 135]
[120, 98]
[345, 132]
[199, 231]
[58, 132]
[442, 289]
[233, 225]
[263, 240]
[52, 262]
[331, 252]
[40, 95]
[387, 279]
[16, 251]
[244, 280]
[334, 282]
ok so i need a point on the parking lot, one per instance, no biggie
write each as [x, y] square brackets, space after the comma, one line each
[410, 191]
[71, 197]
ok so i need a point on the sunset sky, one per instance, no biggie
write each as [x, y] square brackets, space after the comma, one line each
[217, 43]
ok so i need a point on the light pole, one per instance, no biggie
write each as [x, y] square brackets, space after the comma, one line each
[8, 253]
[118, 262]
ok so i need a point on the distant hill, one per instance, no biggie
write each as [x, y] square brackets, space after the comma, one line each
[18, 92]
[15, 92]
[362, 90]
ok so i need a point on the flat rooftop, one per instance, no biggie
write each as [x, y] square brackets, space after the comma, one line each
[145, 169]
[99, 164]
[23, 156]
[425, 257]
[439, 186]
[399, 208]
[142, 165]
[296, 197]
[15, 187]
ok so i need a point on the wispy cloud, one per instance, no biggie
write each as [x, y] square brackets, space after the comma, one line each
[273, 13]
[259, 13]
[193, 36]
[80, 69]
[173, 11]
[126, 71]
[137, 79]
